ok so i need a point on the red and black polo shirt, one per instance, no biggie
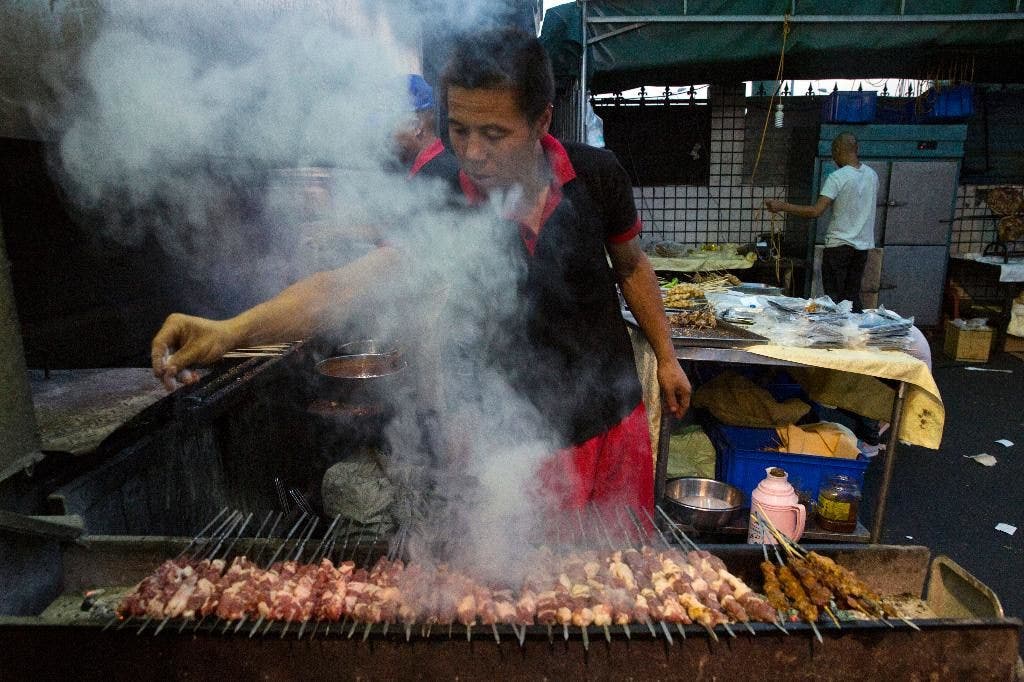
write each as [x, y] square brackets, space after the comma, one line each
[564, 344]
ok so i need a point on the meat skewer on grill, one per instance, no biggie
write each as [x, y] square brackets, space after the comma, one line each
[327, 574]
[206, 588]
[296, 592]
[852, 589]
[195, 591]
[210, 603]
[250, 599]
[241, 569]
[691, 589]
[820, 595]
[611, 604]
[348, 567]
[152, 594]
[641, 605]
[360, 590]
[718, 589]
[720, 593]
[583, 616]
[177, 583]
[821, 569]
[582, 587]
[664, 603]
[730, 587]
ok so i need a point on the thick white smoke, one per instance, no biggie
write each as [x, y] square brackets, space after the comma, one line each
[181, 116]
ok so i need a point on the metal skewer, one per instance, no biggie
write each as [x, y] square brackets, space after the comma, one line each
[628, 536]
[215, 534]
[231, 520]
[355, 551]
[681, 537]
[297, 557]
[227, 553]
[270, 563]
[341, 559]
[668, 545]
[200, 534]
[318, 555]
[320, 619]
[366, 561]
[255, 561]
[611, 547]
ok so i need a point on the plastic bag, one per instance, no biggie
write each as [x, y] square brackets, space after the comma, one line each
[595, 128]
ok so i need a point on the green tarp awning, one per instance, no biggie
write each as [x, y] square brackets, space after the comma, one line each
[652, 42]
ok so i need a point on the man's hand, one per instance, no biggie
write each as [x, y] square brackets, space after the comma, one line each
[675, 387]
[774, 205]
[185, 341]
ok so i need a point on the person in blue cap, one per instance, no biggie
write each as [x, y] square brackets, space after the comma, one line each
[420, 132]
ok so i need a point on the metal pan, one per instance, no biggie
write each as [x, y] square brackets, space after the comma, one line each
[364, 372]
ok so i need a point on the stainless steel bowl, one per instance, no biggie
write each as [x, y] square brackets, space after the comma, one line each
[703, 502]
[364, 371]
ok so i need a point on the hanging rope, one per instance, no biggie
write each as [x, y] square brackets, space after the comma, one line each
[774, 247]
[771, 101]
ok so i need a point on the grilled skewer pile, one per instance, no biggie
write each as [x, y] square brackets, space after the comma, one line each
[808, 583]
[579, 589]
[680, 295]
[698, 318]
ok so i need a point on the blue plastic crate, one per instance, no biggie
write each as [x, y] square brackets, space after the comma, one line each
[850, 107]
[897, 111]
[950, 103]
[742, 461]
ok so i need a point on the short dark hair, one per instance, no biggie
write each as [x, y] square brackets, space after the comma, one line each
[502, 58]
[846, 141]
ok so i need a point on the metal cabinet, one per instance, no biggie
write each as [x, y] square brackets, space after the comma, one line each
[918, 170]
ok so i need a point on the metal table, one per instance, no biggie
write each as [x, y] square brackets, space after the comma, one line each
[738, 356]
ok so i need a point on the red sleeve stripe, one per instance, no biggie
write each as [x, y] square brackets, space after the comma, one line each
[633, 231]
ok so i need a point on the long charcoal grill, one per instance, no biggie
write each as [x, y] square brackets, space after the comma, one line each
[222, 442]
[962, 634]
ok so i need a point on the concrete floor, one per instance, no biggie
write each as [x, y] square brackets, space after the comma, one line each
[951, 504]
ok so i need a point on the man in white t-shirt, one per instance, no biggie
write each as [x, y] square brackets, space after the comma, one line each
[851, 191]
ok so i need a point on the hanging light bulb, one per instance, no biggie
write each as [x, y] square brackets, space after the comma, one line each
[778, 115]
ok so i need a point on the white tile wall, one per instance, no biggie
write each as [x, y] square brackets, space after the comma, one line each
[726, 210]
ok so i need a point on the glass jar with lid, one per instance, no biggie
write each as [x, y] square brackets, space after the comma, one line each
[838, 504]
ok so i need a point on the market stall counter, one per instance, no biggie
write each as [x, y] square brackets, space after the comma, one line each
[890, 386]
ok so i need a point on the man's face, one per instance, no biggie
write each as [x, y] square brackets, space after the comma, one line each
[495, 144]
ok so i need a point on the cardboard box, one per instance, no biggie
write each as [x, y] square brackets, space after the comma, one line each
[967, 344]
[1013, 344]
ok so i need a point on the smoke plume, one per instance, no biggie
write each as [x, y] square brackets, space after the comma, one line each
[253, 141]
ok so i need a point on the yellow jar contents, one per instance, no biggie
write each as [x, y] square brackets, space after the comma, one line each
[838, 504]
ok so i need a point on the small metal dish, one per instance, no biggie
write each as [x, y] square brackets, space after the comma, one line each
[703, 503]
[757, 288]
[364, 371]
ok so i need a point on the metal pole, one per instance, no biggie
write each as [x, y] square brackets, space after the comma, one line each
[661, 461]
[581, 132]
[878, 523]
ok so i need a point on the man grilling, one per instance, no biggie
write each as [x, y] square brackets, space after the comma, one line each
[569, 211]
